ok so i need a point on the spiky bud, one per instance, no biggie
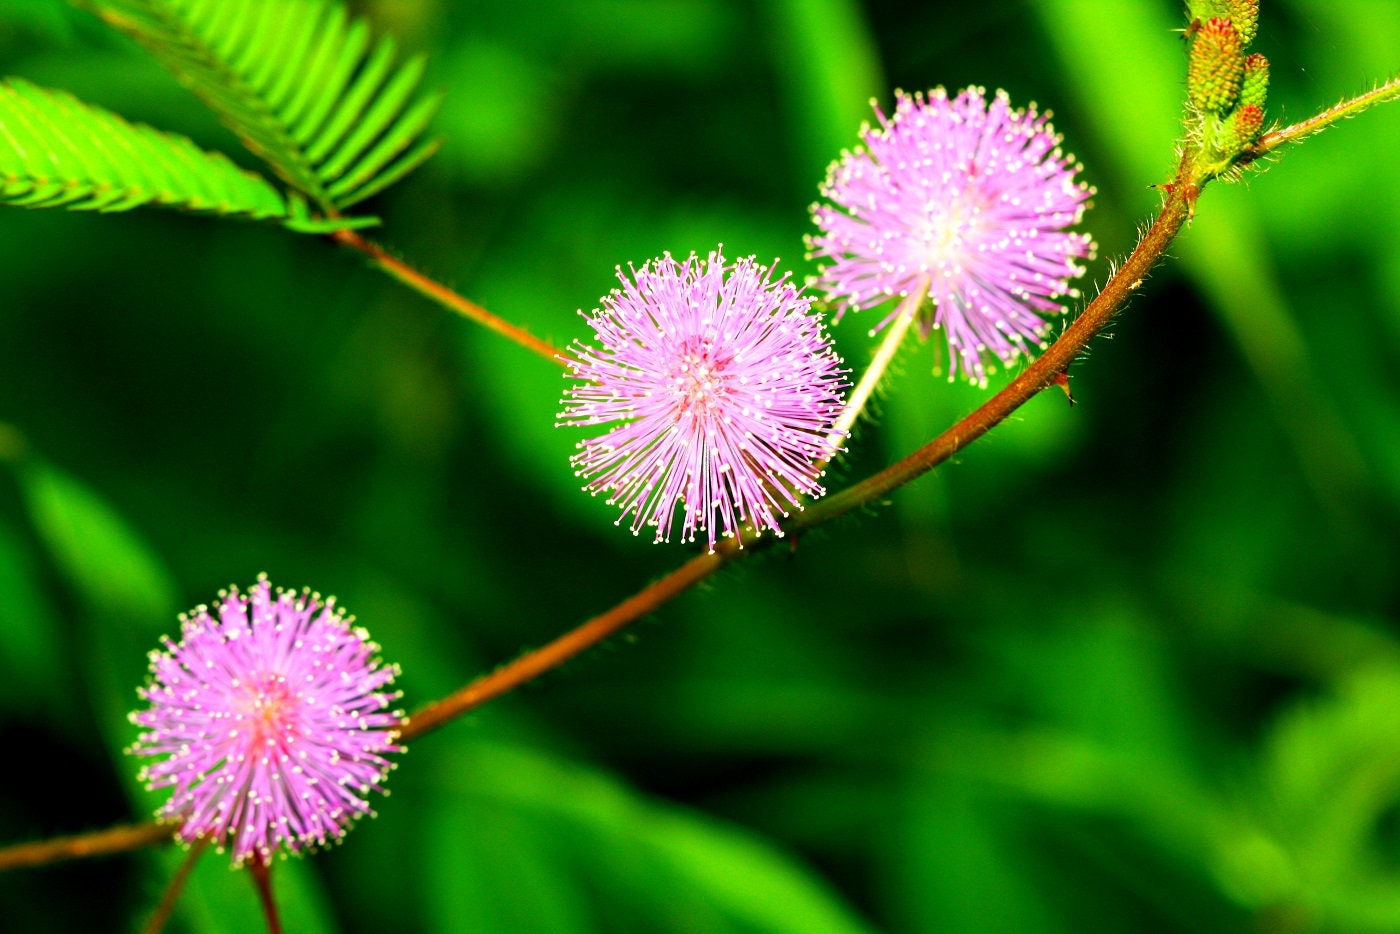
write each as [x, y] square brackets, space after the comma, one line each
[1245, 15]
[1254, 88]
[1243, 126]
[1216, 67]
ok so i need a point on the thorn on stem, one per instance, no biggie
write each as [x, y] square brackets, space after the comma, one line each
[1193, 191]
[1061, 379]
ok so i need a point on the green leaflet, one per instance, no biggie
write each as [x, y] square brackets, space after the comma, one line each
[56, 151]
[304, 86]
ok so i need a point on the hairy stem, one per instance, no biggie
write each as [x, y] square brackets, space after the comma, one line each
[1270, 141]
[424, 285]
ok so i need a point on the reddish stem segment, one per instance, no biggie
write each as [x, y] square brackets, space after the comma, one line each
[532, 664]
[444, 296]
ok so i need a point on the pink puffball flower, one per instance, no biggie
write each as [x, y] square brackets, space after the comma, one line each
[720, 388]
[966, 202]
[270, 722]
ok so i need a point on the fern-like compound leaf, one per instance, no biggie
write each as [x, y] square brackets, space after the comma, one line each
[304, 86]
[56, 151]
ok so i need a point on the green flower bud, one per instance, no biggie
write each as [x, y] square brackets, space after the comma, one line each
[1254, 88]
[1216, 67]
[1245, 15]
[1242, 127]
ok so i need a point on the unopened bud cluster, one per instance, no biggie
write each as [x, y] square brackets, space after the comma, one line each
[1226, 86]
[1216, 72]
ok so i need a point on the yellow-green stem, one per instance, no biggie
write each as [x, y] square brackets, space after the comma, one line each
[870, 379]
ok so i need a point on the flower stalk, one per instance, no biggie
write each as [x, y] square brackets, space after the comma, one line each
[870, 380]
[1041, 374]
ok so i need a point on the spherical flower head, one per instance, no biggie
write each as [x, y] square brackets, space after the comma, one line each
[967, 203]
[270, 721]
[721, 389]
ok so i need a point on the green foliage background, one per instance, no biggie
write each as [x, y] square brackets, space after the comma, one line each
[1131, 666]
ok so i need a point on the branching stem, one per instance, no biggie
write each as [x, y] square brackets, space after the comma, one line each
[1039, 375]
[1042, 373]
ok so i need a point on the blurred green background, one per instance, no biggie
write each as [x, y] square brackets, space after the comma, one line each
[1132, 666]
